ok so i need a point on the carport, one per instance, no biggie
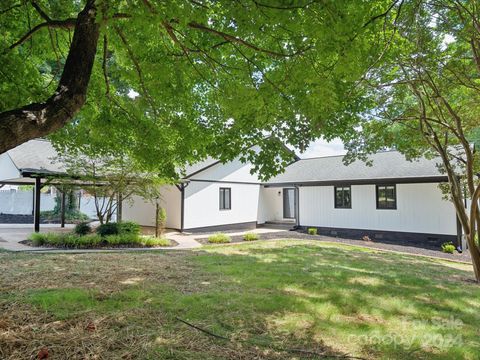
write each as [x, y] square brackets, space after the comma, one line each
[33, 163]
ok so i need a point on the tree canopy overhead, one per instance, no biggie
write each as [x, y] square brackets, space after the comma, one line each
[212, 77]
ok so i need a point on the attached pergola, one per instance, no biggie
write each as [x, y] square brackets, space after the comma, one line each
[32, 163]
[39, 179]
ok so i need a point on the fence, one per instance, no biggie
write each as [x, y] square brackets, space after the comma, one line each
[20, 202]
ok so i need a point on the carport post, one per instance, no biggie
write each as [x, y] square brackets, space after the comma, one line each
[62, 213]
[36, 209]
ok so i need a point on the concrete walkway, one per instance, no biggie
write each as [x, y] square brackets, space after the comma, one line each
[12, 234]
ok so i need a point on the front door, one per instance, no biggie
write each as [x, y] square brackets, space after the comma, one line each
[289, 203]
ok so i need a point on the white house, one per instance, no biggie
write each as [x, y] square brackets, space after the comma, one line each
[394, 198]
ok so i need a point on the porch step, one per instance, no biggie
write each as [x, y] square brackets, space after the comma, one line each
[287, 225]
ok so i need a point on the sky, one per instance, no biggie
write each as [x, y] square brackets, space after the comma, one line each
[321, 147]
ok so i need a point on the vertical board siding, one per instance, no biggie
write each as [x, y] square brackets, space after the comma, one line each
[202, 199]
[143, 211]
[420, 208]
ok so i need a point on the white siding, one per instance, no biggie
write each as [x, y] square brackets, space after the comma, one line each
[420, 208]
[202, 198]
[234, 171]
[270, 206]
[143, 211]
[202, 204]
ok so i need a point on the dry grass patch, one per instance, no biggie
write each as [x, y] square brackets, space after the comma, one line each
[271, 300]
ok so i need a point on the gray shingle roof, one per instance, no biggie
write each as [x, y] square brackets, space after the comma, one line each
[36, 156]
[385, 165]
[197, 167]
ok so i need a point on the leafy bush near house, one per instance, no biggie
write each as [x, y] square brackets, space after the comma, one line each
[113, 228]
[448, 247]
[312, 231]
[72, 216]
[108, 229]
[82, 229]
[128, 227]
[219, 239]
[250, 237]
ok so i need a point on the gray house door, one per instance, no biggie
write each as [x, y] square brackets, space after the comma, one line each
[289, 203]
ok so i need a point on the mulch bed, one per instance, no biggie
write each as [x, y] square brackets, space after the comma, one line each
[106, 247]
[406, 247]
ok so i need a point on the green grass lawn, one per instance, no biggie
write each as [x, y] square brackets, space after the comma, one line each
[272, 300]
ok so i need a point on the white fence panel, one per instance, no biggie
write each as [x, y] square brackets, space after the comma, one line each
[21, 202]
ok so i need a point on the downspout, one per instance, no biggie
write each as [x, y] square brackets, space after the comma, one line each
[297, 206]
[181, 188]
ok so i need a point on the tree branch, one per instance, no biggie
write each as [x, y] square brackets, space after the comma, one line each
[234, 39]
[59, 24]
[39, 119]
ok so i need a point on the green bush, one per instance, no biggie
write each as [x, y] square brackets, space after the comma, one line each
[219, 239]
[38, 239]
[250, 236]
[123, 239]
[151, 241]
[69, 216]
[82, 229]
[448, 247]
[108, 229]
[128, 227]
[312, 231]
[129, 237]
[54, 239]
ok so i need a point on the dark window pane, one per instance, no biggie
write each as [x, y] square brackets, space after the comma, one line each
[225, 199]
[386, 197]
[342, 197]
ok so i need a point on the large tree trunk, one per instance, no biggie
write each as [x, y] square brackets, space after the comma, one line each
[40, 119]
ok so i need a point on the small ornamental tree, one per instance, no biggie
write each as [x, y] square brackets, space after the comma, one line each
[160, 220]
[105, 177]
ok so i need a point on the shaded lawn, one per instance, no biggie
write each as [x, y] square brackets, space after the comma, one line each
[270, 298]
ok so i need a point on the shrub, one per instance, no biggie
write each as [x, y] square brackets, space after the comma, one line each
[70, 240]
[219, 239]
[108, 229]
[123, 239]
[448, 247]
[38, 239]
[312, 231]
[153, 241]
[128, 227]
[250, 236]
[82, 229]
[87, 241]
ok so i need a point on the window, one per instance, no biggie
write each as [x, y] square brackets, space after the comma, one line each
[343, 197]
[386, 197]
[225, 198]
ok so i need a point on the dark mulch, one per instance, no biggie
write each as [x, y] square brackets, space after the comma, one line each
[406, 246]
[28, 219]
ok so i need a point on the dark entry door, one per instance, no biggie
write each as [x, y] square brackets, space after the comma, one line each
[288, 203]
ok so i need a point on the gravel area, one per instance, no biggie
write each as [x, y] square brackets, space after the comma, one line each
[406, 247]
